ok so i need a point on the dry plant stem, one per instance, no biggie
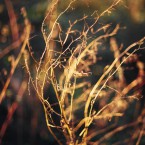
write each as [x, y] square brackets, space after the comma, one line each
[109, 70]
[14, 45]
[11, 111]
[118, 92]
[40, 96]
[116, 55]
[126, 141]
[108, 135]
[43, 101]
[79, 101]
[134, 83]
[108, 10]
[95, 133]
[72, 99]
[61, 100]
[95, 117]
[48, 38]
[46, 50]
[141, 134]
[113, 64]
[13, 20]
[46, 72]
[138, 81]
[21, 91]
[98, 83]
[51, 67]
[50, 34]
[73, 62]
[126, 90]
[49, 127]
[91, 102]
[48, 15]
[83, 53]
[63, 93]
[31, 53]
[15, 63]
[129, 87]
[69, 31]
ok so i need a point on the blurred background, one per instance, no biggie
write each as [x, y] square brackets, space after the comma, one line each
[22, 120]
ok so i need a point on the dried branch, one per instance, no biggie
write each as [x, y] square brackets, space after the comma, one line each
[16, 61]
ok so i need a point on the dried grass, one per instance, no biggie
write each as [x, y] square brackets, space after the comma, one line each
[67, 75]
